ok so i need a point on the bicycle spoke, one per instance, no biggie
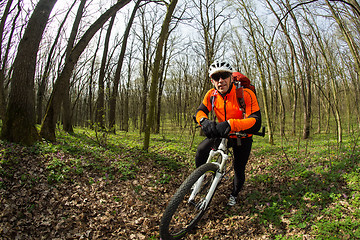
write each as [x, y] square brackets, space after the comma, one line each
[183, 212]
[188, 211]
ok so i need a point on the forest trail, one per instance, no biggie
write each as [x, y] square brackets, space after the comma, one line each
[103, 208]
[88, 200]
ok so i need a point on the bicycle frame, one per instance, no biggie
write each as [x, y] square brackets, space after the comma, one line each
[183, 212]
[222, 149]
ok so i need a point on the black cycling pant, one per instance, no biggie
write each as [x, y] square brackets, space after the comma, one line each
[241, 156]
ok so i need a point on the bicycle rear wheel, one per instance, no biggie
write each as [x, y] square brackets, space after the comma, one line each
[180, 216]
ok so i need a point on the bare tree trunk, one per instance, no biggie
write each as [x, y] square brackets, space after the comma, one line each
[4, 74]
[349, 39]
[144, 96]
[279, 93]
[100, 103]
[19, 123]
[147, 55]
[155, 76]
[115, 90]
[125, 117]
[306, 84]
[67, 97]
[90, 106]
[295, 91]
[163, 71]
[250, 22]
[9, 44]
[2, 70]
[45, 75]
[332, 77]
[294, 61]
[53, 109]
[319, 99]
[348, 99]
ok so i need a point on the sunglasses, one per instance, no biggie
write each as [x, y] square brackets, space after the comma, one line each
[223, 75]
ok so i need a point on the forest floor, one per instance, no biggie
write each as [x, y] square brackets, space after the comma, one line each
[80, 189]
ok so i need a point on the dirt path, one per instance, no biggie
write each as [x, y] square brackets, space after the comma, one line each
[30, 208]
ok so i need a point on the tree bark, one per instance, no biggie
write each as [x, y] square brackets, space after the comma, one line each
[67, 97]
[332, 77]
[161, 88]
[100, 103]
[155, 76]
[53, 108]
[147, 55]
[294, 61]
[90, 105]
[115, 91]
[250, 21]
[19, 123]
[348, 38]
[125, 117]
[306, 83]
[45, 75]
[2, 73]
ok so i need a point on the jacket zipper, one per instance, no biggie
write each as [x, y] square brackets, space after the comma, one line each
[225, 106]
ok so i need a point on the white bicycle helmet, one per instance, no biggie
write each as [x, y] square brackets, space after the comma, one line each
[220, 66]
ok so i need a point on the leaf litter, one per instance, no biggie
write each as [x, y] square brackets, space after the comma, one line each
[113, 208]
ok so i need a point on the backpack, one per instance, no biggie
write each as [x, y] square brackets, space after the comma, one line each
[241, 82]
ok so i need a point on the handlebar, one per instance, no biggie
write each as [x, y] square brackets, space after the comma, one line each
[262, 133]
[239, 134]
[243, 134]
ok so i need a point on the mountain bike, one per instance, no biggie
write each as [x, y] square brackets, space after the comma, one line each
[192, 198]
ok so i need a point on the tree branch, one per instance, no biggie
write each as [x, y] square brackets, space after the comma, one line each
[304, 3]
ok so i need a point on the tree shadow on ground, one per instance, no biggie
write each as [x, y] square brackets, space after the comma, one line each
[278, 201]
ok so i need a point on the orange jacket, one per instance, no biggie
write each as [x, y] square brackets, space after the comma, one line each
[227, 108]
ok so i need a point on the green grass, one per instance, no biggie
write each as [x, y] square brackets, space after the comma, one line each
[121, 156]
[308, 186]
[313, 185]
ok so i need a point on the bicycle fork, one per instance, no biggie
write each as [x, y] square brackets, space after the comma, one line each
[218, 175]
[204, 203]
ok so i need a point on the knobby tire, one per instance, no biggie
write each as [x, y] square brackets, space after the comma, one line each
[180, 217]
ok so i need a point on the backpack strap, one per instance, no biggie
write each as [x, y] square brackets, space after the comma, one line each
[240, 97]
[252, 88]
[212, 99]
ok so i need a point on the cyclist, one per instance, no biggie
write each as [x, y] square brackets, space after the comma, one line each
[222, 99]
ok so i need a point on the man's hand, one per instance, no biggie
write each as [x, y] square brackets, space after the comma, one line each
[223, 129]
[209, 128]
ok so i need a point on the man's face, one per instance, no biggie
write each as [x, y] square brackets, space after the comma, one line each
[222, 81]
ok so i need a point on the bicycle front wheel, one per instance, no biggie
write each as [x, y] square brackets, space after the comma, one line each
[180, 215]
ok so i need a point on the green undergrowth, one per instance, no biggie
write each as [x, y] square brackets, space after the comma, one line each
[307, 186]
[298, 187]
[110, 156]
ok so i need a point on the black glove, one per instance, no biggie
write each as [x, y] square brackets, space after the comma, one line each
[209, 128]
[223, 129]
